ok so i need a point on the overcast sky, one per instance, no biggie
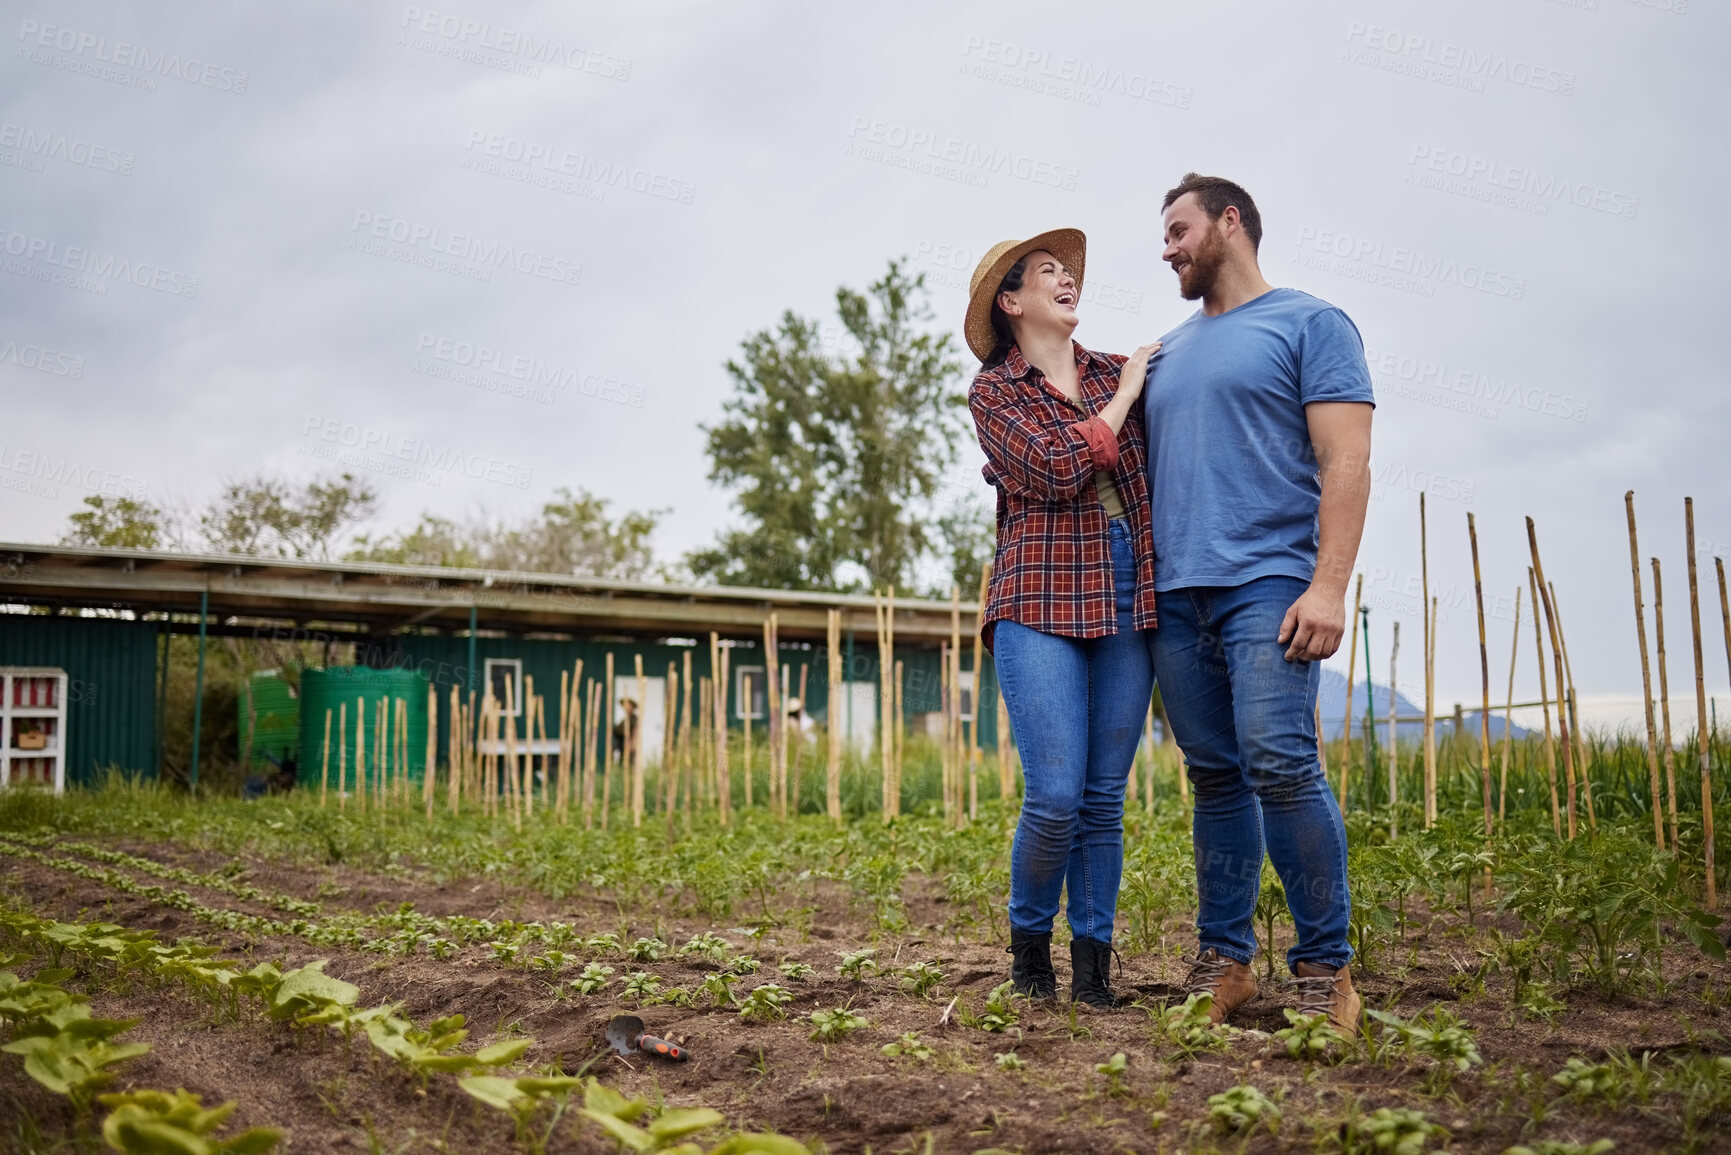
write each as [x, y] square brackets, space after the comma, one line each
[248, 237]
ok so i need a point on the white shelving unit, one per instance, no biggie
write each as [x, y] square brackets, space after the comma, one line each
[33, 702]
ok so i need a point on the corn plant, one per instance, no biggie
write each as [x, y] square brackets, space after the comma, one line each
[833, 1026]
[1240, 1110]
[155, 1122]
[765, 1003]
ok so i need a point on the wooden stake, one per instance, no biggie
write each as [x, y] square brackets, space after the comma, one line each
[607, 744]
[567, 722]
[1427, 612]
[883, 608]
[593, 732]
[325, 762]
[1484, 680]
[1581, 762]
[1646, 677]
[837, 707]
[513, 710]
[1346, 733]
[341, 757]
[723, 778]
[1393, 760]
[1006, 747]
[1557, 662]
[1665, 702]
[430, 773]
[638, 753]
[1545, 704]
[454, 763]
[688, 771]
[773, 720]
[977, 751]
[1509, 712]
[899, 716]
[670, 750]
[361, 753]
[798, 735]
[1700, 711]
[747, 703]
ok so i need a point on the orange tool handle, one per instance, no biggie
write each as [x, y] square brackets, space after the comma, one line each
[662, 1047]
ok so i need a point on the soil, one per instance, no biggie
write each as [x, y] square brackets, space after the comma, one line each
[328, 1095]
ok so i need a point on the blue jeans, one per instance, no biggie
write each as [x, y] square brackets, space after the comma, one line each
[1076, 707]
[1245, 718]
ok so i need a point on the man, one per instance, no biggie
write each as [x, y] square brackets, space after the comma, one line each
[1258, 416]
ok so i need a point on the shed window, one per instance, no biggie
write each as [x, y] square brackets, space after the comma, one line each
[505, 679]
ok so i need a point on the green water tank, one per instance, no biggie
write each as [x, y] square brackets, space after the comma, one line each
[340, 691]
[270, 711]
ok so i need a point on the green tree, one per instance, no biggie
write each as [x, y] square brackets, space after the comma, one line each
[835, 458]
[117, 523]
[572, 534]
[270, 517]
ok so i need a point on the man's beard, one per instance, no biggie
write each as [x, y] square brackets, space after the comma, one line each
[1198, 277]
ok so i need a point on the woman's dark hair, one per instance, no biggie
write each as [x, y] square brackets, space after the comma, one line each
[1001, 320]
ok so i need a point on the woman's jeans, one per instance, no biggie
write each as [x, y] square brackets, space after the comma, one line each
[1245, 718]
[1077, 707]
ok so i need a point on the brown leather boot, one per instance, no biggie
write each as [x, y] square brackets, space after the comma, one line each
[1322, 990]
[1231, 982]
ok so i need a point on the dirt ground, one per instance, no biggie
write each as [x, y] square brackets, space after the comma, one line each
[331, 1096]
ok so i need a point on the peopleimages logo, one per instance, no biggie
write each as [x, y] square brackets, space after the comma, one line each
[580, 167]
[42, 144]
[87, 46]
[1516, 186]
[41, 359]
[1066, 77]
[393, 448]
[433, 242]
[1397, 266]
[459, 33]
[103, 266]
[939, 154]
[1446, 62]
[531, 378]
[1466, 390]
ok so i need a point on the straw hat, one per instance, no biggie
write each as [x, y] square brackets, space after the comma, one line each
[1068, 245]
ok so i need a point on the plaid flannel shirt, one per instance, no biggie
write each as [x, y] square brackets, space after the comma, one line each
[1053, 568]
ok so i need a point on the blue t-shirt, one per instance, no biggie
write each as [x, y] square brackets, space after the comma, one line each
[1231, 472]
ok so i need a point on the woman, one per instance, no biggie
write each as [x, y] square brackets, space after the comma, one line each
[1072, 587]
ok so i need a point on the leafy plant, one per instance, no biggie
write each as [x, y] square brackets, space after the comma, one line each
[157, 1122]
[1434, 1034]
[592, 979]
[1309, 1037]
[647, 950]
[709, 945]
[1396, 1130]
[1010, 1061]
[797, 971]
[641, 985]
[921, 977]
[910, 1046]
[718, 985]
[68, 1052]
[1238, 1110]
[1187, 1024]
[1562, 1147]
[856, 965]
[1001, 1011]
[765, 1003]
[833, 1026]
[521, 1098]
[1114, 1069]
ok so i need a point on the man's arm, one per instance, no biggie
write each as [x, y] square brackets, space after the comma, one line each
[1340, 435]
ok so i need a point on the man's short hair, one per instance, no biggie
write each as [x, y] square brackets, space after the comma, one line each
[1215, 194]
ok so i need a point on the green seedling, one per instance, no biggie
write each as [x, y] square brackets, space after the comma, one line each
[920, 978]
[1309, 1037]
[833, 1026]
[1187, 1025]
[1009, 1061]
[593, 978]
[1395, 1130]
[641, 985]
[156, 1122]
[797, 971]
[910, 1046]
[857, 965]
[1240, 1110]
[521, 1098]
[647, 950]
[718, 985]
[710, 946]
[1001, 1012]
[1563, 1147]
[765, 1003]
[68, 1052]
[1114, 1069]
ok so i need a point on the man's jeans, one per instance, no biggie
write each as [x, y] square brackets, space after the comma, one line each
[1077, 707]
[1245, 718]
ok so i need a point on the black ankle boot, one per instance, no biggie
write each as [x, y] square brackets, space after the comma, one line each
[1031, 969]
[1091, 974]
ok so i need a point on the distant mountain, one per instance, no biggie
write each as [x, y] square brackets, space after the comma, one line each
[1331, 697]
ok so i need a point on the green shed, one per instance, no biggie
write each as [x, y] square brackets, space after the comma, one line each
[273, 729]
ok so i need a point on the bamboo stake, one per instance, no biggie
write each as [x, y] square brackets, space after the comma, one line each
[1724, 606]
[1545, 704]
[1557, 661]
[513, 710]
[325, 761]
[1509, 712]
[670, 750]
[977, 753]
[798, 735]
[1485, 682]
[546, 783]
[638, 751]
[784, 739]
[688, 771]
[1148, 759]
[1581, 762]
[453, 763]
[748, 703]
[723, 777]
[561, 797]
[1346, 732]
[1393, 760]
[593, 732]
[704, 709]
[381, 753]
[1321, 747]
[361, 753]
[429, 774]
[342, 756]
[1429, 673]
[953, 707]
[1700, 711]
[837, 689]
[1665, 702]
[607, 745]
[899, 717]
[772, 710]
[1646, 677]
[1007, 746]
